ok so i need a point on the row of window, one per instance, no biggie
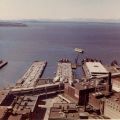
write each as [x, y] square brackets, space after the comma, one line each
[114, 106]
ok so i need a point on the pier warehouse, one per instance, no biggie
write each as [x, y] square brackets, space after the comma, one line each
[64, 71]
[94, 69]
[30, 78]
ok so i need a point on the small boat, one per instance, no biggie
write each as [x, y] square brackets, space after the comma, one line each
[3, 63]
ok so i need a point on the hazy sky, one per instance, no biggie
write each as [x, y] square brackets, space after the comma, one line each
[59, 9]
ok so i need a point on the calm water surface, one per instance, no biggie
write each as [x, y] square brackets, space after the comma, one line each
[20, 46]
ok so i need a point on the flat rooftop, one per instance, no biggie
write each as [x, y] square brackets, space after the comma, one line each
[96, 67]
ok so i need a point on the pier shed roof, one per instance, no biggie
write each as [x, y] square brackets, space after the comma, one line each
[96, 67]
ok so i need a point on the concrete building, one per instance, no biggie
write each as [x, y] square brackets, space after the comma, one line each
[96, 99]
[79, 92]
[23, 107]
[93, 68]
[96, 102]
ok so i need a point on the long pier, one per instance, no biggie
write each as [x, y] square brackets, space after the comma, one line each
[64, 72]
[30, 78]
[30, 82]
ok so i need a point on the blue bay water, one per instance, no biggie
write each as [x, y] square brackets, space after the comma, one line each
[20, 46]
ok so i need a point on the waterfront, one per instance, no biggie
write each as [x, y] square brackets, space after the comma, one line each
[51, 41]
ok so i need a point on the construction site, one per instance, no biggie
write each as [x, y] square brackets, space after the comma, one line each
[95, 95]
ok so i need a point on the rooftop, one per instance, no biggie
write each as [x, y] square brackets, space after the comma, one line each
[24, 104]
[64, 111]
[96, 67]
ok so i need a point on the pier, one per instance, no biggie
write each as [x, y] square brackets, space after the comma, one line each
[28, 98]
[64, 72]
[93, 68]
[30, 78]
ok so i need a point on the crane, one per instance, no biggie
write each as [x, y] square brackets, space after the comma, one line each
[79, 51]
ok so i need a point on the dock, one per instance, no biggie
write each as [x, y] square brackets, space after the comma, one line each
[32, 75]
[64, 72]
[34, 97]
[93, 68]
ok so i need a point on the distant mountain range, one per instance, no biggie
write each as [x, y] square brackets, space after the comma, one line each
[72, 20]
[23, 22]
[12, 24]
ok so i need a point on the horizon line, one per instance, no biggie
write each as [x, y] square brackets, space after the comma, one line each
[65, 20]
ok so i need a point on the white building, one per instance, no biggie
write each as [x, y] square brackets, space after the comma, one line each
[94, 69]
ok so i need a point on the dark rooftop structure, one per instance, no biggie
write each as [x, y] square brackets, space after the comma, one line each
[64, 111]
[96, 99]
[23, 107]
[3, 95]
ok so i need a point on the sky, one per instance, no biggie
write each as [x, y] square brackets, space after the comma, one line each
[59, 9]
